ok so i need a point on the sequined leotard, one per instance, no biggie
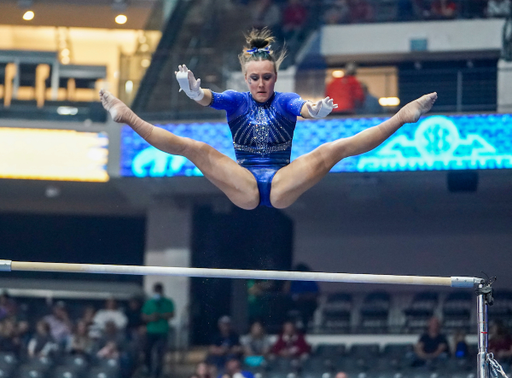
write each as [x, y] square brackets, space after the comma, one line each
[262, 132]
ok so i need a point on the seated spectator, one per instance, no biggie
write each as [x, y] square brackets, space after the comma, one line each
[204, 370]
[59, 323]
[9, 337]
[443, 9]
[110, 314]
[460, 346]
[370, 104]
[111, 334]
[256, 345]
[233, 369]
[109, 351]
[346, 91]
[88, 319]
[432, 345]
[42, 344]
[291, 343]
[500, 342]
[225, 345]
[337, 13]
[304, 296]
[134, 317]
[80, 343]
[498, 8]
[294, 18]
[360, 11]
[7, 306]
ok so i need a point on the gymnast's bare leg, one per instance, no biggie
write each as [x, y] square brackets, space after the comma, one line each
[292, 181]
[236, 182]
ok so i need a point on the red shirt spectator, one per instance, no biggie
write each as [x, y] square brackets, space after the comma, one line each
[294, 15]
[347, 92]
[291, 343]
[360, 11]
[444, 9]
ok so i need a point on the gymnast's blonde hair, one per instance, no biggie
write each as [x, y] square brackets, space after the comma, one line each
[258, 48]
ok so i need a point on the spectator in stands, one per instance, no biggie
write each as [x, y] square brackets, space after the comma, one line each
[204, 370]
[268, 14]
[500, 342]
[346, 91]
[337, 13]
[7, 306]
[156, 312]
[233, 369]
[256, 345]
[225, 345]
[9, 337]
[432, 345]
[360, 11]
[294, 18]
[460, 346]
[59, 323]
[110, 314]
[291, 343]
[499, 8]
[134, 317]
[258, 292]
[42, 344]
[370, 104]
[80, 343]
[341, 374]
[112, 342]
[88, 319]
[304, 296]
[443, 9]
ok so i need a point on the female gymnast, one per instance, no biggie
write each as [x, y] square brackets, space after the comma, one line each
[262, 123]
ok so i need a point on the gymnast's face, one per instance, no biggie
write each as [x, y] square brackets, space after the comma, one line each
[261, 77]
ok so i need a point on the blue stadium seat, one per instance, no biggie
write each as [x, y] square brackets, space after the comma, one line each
[31, 371]
[66, 372]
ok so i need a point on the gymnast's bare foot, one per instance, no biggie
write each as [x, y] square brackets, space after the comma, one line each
[412, 112]
[117, 109]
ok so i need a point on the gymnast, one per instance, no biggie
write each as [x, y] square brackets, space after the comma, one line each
[262, 123]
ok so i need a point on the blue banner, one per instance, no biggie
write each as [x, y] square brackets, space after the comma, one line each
[475, 141]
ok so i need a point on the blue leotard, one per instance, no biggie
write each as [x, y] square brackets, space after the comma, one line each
[262, 132]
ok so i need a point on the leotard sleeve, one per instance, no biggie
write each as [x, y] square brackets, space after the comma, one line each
[229, 100]
[291, 102]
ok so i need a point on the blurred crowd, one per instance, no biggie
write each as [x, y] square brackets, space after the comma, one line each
[134, 336]
[234, 356]
[287, 18]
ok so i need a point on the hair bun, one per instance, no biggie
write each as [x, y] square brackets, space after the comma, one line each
[259, 43]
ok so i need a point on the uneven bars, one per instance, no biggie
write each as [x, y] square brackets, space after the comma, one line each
[25, 266]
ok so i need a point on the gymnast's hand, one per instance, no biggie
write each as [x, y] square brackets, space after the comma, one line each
[189, 84]
[322, 108]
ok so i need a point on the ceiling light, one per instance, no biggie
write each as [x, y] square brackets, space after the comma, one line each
[28, 16]
[65, 60]
[128, 86]
[121, 19]
[145, 63]
[67, 110]
[338, 73]
[65, 52]
[389, 101]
